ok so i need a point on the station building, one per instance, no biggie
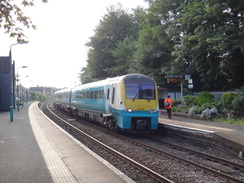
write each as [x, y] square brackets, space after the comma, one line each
[7, 83]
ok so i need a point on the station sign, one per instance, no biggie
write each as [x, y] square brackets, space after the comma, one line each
[174, 78]
[187, 77]
[190, 84]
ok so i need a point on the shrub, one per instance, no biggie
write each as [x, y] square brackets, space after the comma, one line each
[176, 102]
[193, 111]
[189, 100]
[39, 97]
[238, 101]
[204, 97]
[227, 99]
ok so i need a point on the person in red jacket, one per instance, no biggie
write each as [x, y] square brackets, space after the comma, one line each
[168, 105]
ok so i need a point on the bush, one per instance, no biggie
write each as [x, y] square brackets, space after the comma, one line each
[39, 97]
[189, 100]
[238, 101]
[227, 99]
[204, 97]
[193, 111]
[176, 102]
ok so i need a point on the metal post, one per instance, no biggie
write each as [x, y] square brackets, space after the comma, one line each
[181, 87]
[11, 87]
[12, 82]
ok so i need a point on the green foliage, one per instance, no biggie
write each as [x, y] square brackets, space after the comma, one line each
[11, 15]
[176, 102]
[236, 121]
[189, 100]
[111, 48]
[172, 37]
[194, 110]
[39, 97]
[227, 99]
[238, 101]
[204, 97]
[182, 109]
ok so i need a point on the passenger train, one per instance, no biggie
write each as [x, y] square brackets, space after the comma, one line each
[127, 103]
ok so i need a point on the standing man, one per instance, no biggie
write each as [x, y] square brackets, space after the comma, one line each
[168, 105]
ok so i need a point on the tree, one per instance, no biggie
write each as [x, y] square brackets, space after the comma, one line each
[154, 49]
[210, 34]
[84, 76]
[116, 27]
[125, 50]
[11, 14]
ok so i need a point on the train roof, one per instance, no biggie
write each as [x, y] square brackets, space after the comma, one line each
[108, 80]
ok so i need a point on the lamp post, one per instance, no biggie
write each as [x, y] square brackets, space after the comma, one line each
[11, 82]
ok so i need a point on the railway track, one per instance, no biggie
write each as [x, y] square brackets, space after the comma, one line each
[119, 155]
[206, 156]
[215, 166]
[151, 170]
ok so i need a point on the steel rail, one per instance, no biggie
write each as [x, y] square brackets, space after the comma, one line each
[204, 155]
[199, 166]
[145, 169]
[202, 167]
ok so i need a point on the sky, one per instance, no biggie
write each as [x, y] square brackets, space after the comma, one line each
[56, 51]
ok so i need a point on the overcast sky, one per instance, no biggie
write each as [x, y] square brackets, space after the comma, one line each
[56, 51]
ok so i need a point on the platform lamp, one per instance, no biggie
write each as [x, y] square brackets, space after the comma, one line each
[11, 78]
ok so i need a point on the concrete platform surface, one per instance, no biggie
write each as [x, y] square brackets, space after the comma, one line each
[33, 149]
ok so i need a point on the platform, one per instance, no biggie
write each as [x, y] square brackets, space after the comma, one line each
[228, 136]
[33, 149]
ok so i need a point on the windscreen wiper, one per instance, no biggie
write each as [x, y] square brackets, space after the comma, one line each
[135, 96]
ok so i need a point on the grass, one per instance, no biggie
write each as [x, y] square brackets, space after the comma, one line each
[235, 121]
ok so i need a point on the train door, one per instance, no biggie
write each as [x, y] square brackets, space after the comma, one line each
[107, 94]
[113, 97]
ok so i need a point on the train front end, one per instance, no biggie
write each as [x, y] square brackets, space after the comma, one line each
[140, 101]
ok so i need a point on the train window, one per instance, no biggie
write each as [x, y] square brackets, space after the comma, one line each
[95, 96]
[148, 91]
[91, 94]
[132, 91]
[101, 94]
[78, 94]
[140, 91]
[108, 93]
[87, 94]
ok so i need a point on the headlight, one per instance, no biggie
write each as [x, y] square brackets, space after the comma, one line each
[153, 110]
[128, 110]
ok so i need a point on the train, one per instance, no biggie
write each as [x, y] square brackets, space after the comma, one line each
[125, 103]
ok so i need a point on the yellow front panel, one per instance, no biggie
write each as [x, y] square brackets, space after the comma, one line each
[138, 104]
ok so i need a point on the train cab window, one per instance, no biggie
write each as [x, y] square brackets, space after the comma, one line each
[148, 91]
[140, 91]
[132, 91]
